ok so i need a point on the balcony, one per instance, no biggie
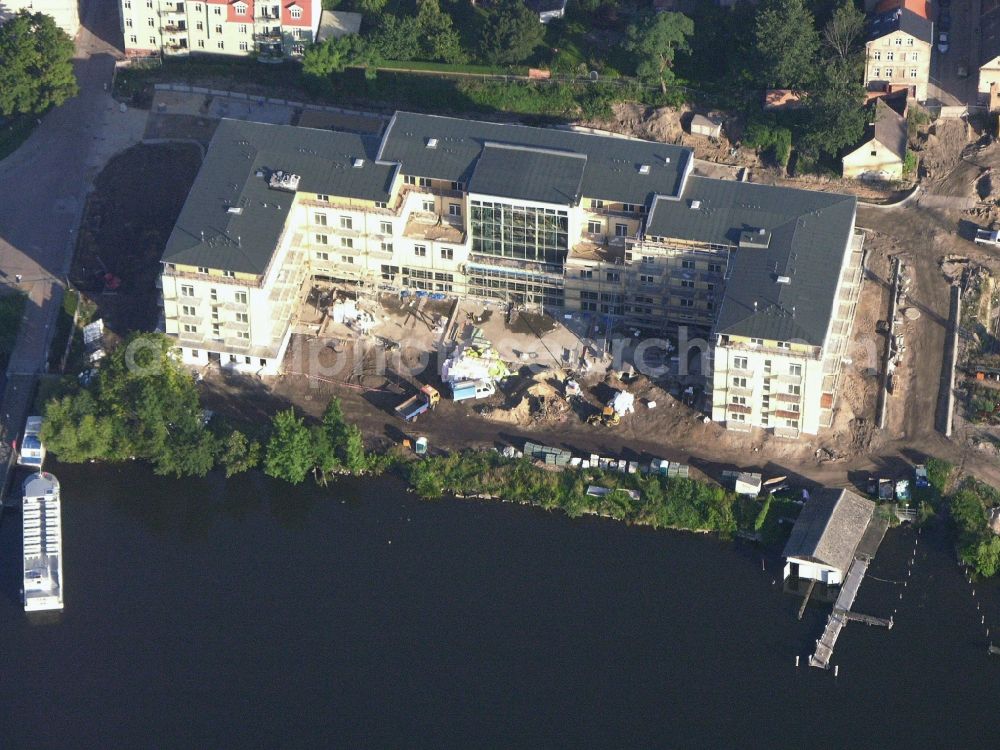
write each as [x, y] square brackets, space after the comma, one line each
[174, 26]
[434, 228]
[267, 36]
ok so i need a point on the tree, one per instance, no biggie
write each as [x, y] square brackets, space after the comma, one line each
[844, 30]
[439, 38]
[511, 33]
[655, 45]
[289, 451]
[36, 70]
[330, 56]
[786, 41]
[834, 116]
[371, 6]
[397, 38]
[238, 453]
[74, 431]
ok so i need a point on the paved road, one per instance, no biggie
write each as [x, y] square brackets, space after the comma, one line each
[44, 185]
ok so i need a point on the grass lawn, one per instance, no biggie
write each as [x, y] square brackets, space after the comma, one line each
[11, 309]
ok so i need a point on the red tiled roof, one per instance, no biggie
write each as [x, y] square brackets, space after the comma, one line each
[920, 7]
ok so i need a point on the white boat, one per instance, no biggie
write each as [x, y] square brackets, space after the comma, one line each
[42, 538]
[32, 451]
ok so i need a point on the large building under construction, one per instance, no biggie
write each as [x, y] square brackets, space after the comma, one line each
[573, 222]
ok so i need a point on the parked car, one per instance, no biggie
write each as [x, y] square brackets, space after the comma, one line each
[944, 21]
[920, 476]
[943, 44]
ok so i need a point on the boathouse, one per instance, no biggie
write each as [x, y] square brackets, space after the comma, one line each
[826, 536]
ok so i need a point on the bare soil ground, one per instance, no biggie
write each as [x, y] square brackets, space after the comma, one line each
[126, 223]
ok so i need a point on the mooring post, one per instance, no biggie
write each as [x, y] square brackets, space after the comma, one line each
[796, 661]
[836, 670]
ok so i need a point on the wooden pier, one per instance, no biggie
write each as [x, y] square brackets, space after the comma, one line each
[839, 618]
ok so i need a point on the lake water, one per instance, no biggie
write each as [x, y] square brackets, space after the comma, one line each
[250, 614]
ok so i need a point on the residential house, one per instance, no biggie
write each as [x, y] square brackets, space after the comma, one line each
[605, 228]
[271, 29]
[898, 50]
[826, 535]
[547, 10]
[64, 12]
[882, 151]
[989, 55]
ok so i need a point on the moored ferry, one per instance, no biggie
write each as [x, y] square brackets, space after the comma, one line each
[42, 535]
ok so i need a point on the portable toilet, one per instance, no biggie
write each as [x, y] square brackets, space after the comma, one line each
[421, 446]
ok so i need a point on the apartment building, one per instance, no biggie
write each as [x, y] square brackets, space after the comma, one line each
[612, 227]
[272, 29]
[63, 12]
[898, 50]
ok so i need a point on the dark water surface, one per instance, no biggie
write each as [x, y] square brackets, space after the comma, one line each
[207, 614]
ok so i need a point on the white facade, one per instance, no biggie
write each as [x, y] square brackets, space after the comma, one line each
[244, 27]
[64, 12]
[815, 571]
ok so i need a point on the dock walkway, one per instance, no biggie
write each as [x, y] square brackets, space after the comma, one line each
[841, 610]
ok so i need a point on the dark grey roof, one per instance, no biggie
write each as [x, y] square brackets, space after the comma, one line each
[526, 173]
[829, 528]
[888, 128]
[901, 19]
[613, 164]
[809, 233]
[240, 160]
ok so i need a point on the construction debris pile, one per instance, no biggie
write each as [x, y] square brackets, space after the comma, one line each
[477, 361]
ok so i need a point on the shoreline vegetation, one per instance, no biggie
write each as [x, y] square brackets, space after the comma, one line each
[144, 405]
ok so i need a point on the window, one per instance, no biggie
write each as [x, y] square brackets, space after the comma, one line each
[740, 363]
[888, 72]
[621, 230]
[878, 55]
[741, 400]
[629, 207]
[613, 276]
[795, 370]
[784, 345]
[874, 153]
[914, 56]
[243, 335]
[795, 390]
[454, 209]
[715, 268]
[243, 46]
[201, 43]
[386, 247]
[756, 342]
[648, 259]
[218, 28]
[133, 39]
[348, 259]
[199, 25]
[794, 423]
[296, 13]
[151, 22]
[128, 4]
[447, 253]
[899, 42]
[909, 42]
[877, 72]
[216, 330]
[322, 239]
[687, 264]
[913, 72]
[794, 407]
[202, 269]
[347, 242]
[128, 23]
[218, 10]
[687, 303]
[596, 204]
[889, 56]
[687, 284]
[320, 255]
[241, 298]
[222, 45]
[738, 417]
[213, 293]
[229, 274]
[645, 279]
[428, 206]
[346, 222]
[739, 382]
[323, 197]
[149, 3]
[242, 28]
[586, 274]
[188, 328]
[188, 310]
[240, 9]
[710, 286]
[595, 227]
[215, 313]
[320, 219]
[420, 251]
[381, 204]
[424, 181]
